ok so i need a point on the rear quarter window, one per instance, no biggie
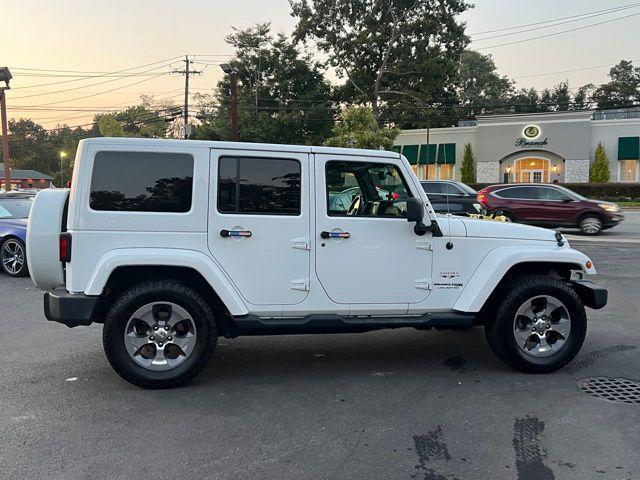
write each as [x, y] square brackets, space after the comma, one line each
[142, 182]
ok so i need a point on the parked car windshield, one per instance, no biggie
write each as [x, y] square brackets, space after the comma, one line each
[15, 208]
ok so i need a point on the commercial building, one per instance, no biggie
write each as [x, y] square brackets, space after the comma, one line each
[542, 147]
[25, 178]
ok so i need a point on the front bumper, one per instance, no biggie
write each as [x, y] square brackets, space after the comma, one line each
[591, 294]
[71, 309]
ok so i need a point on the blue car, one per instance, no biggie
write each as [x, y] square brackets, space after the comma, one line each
[14, 213]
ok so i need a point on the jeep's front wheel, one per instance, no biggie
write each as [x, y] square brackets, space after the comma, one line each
[539, 326]
[159, 334]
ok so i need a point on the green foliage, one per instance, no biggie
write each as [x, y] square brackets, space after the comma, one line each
[480, 88]
[109, 126]
[283, 96]
[623, 90]
[359, 129]
[393, 55]
[599, 171]
[468, 170]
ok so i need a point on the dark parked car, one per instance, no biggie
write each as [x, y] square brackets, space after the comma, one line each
[447, 196]
[14, 212]
[550, 206]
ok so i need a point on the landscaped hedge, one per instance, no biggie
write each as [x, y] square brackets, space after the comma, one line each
[614, 192]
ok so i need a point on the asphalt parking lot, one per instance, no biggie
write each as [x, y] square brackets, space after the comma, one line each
[393, 404]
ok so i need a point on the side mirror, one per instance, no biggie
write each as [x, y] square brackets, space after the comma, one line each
[415, 210]
[415, 213]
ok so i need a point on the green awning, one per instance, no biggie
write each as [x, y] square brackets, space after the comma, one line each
[397, 148]
[629, 148]
[411, 152]
[432, 154]
[447, 153]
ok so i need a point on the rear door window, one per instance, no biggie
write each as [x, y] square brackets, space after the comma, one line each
[263, 186]
[432, 187]
[451, 189]
[516, 193]
[142, 182]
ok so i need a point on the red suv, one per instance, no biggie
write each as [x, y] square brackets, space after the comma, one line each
[550, 206]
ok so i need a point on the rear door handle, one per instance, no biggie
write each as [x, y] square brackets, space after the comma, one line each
[235, 233]
[326, 234]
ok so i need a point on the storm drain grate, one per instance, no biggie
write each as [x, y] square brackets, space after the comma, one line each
[618, 390]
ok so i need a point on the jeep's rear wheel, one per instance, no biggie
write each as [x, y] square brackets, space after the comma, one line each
[159, 334]
[539, 326]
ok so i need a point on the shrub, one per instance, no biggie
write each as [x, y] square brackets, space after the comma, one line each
[599, 170]
[468, 170]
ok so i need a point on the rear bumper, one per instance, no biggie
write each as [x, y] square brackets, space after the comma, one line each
[71, 309]
[591, 294]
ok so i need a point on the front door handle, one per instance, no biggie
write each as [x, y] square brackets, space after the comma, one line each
[326, 234]
[235, 233]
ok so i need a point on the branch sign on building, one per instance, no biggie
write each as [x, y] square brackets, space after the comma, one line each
[531, 137]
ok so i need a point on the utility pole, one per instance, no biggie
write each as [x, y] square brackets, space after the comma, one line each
[5, 76]
[233, 77]
[187, 72]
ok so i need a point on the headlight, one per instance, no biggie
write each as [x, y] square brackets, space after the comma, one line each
[610, 207]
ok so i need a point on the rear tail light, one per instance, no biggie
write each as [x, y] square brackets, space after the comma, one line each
[65, 247]
[482, 197]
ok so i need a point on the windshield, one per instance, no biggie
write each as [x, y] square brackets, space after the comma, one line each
[467, 188]
[15, 208]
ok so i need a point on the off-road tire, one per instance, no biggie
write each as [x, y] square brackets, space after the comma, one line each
[499, 327]
[164, 291]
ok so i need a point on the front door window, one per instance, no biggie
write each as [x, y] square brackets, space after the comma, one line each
[532, 170]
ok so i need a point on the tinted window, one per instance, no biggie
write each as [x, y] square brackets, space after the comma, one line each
[142, 182]
[451, 189]
[259, 185]
[550, 193]
[16, 208]
[365, 189]
[434, 187]
[516, 192]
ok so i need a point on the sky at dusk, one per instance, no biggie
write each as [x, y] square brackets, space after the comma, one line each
[116, 35]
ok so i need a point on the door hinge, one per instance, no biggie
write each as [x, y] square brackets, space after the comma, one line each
[301, 243]
[424, 244]
[423, 284]
[300, 284]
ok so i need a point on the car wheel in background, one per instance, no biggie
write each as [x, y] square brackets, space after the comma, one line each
[13, 258]
[590, 224]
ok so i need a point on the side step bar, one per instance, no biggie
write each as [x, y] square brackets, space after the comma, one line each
[254, 325]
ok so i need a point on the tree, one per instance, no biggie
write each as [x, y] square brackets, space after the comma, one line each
[480, 88]
[359, 129]
[109, 126]
[468, 170]
[623, 90]
[394, 55]
[283, 96]
[599, 171]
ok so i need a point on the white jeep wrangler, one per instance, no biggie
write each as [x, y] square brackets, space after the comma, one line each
[171, 244]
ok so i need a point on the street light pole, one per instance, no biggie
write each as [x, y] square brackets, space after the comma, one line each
[5, 76]
[62, 155]
[233, 76]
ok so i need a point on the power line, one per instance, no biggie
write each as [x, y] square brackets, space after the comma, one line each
[102, 93]
[568, 71]
[114, 72]
[554, 24]
[596, 12]
[85, 86]
[559, 33]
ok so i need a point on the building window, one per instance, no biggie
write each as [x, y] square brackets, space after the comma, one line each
[532, 170]
[628, 170]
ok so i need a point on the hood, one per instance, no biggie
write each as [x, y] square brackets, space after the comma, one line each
[14, 222]
[494, 229]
